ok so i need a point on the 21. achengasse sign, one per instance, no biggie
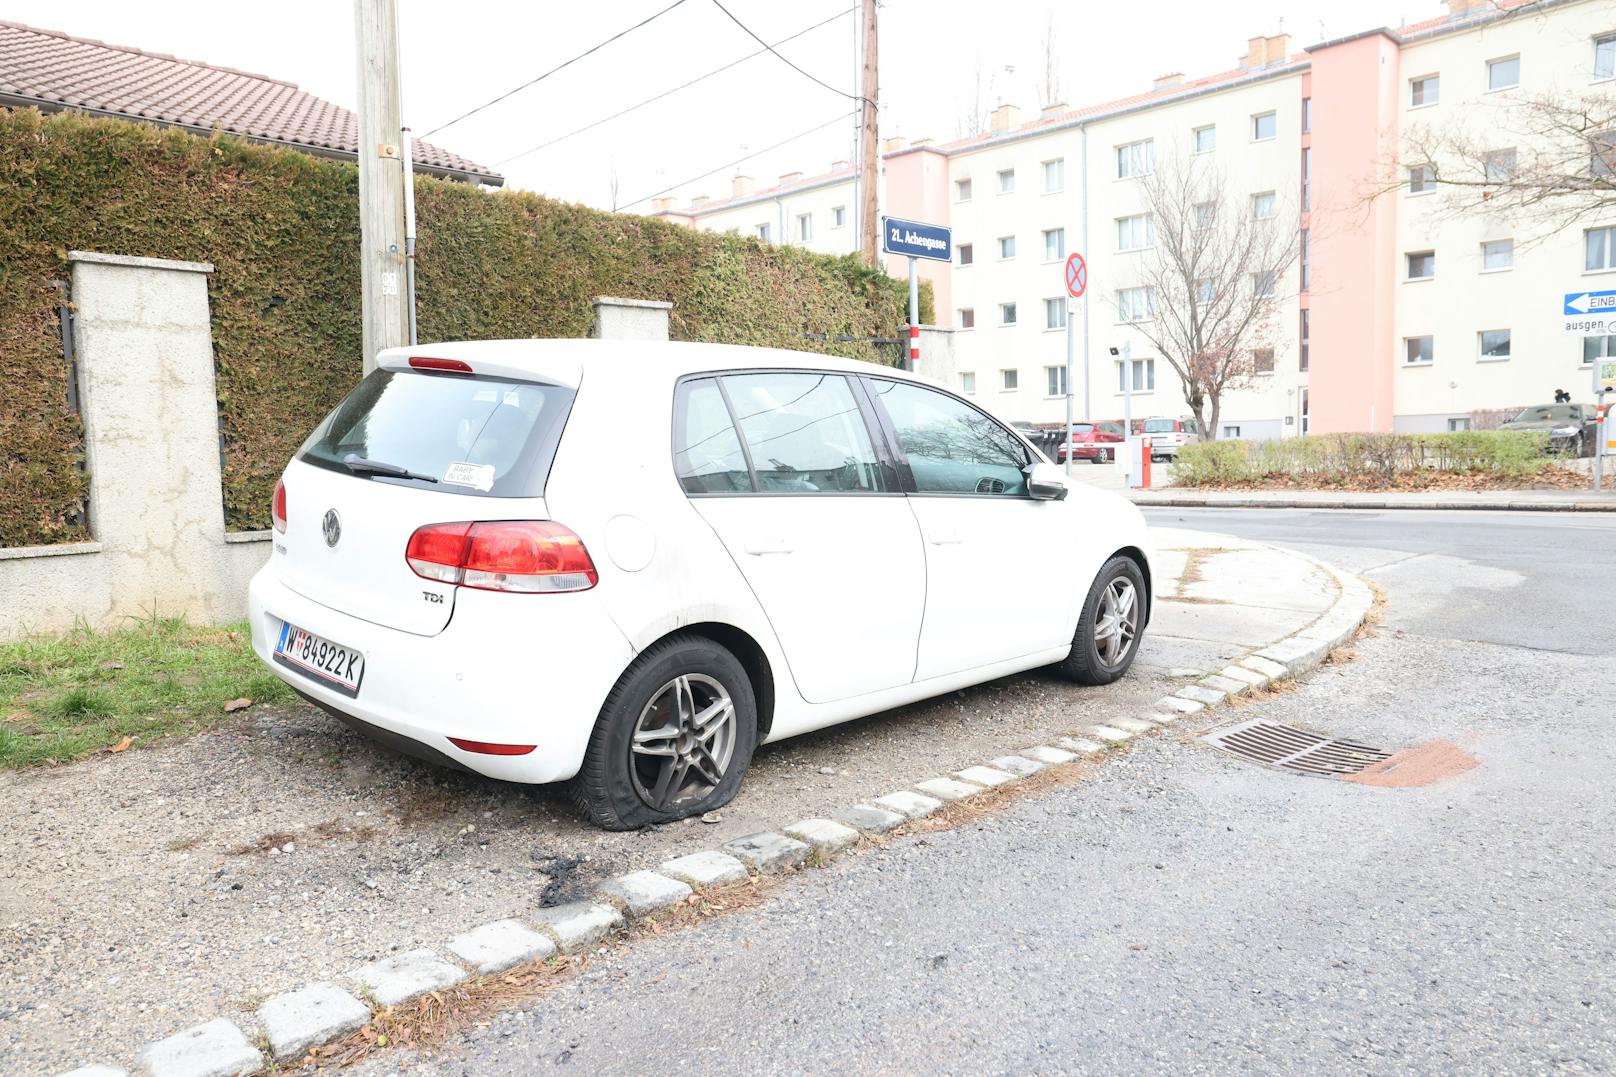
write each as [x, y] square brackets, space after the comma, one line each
[917, 240]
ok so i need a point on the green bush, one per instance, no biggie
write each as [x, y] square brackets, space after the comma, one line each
[282, 230]
[1359, 459]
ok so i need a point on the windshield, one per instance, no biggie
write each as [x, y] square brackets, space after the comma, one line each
[1547, 413]
[1158, 426]
[472, 435]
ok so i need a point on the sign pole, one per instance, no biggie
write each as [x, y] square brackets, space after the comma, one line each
[1077, 286]
[1071, 350]
[914, 316]
[1599, 429]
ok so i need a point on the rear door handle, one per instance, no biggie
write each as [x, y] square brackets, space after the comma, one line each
[945, 538]
[758, 547]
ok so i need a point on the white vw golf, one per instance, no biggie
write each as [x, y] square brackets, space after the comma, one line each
[627, 564]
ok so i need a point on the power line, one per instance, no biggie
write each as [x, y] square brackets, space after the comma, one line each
[738, 160]
[669, 92]
[788, 63]
[558, 67]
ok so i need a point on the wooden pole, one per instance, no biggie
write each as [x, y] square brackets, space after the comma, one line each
[381, 180]
[869, 167]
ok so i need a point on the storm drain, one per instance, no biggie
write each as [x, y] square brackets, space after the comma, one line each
[1289, 748]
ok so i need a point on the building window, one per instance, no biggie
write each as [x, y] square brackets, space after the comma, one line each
[1136, 304]
[763, 231]
[1206, 138]
[1458, 424]
[967, 317]
[805, 226]
[1497, 254]
[1303, 259]
[1426, 90]
[1144, 375]
[1264, 126]
[838, 216]
[1007, 247]
[1598, 348]
[1421, 179]
[1494, 343]
[1264, 207]
[1009, 380]
[1301, 359]
[967, 254]
[1136, 159]
[1500, 165]
[1206, 290]
[1230, 431]
[1007, 181]
[1307, 177]
[1600, 248]
[1054, 244]
[1007, 314]
[1055, 380]
[1418, 351]
[1603, 145]
[1503, 74]
[1605, 57]
[1262, 360]
[1136, 233]
[1054, 175]
[968, 382]
[1054, 314]
[1206, 215]
[1421, 265]
[1265, 284]
[962, 190]
[1307, 115]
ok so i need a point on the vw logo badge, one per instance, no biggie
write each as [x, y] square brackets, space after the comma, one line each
[331, 527]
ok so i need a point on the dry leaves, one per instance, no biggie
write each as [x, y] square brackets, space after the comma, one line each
[237, 705]
[122, 745]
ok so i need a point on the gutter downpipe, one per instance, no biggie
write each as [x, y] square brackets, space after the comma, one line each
[409, 230]
[1088, 414]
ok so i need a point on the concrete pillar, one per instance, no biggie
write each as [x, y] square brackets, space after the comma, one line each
[937, 355]
[630, 319]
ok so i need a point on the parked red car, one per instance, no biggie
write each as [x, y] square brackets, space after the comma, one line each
[1094, 442]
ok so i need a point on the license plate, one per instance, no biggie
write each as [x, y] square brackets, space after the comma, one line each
[313, 656]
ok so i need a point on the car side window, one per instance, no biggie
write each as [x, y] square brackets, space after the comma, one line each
[805, 433]
[951, 447]
[707, 454]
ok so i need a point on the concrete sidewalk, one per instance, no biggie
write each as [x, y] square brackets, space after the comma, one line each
[1486, 500]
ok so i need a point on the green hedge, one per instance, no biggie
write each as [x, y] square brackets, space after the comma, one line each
[282, 230]
[1359, 458]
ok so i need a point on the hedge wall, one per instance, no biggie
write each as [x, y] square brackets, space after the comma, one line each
[282, 230]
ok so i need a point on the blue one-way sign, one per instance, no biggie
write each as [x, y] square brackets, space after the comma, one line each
[917, 240]
[1590, 302]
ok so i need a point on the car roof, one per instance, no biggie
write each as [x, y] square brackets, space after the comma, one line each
[565, 361]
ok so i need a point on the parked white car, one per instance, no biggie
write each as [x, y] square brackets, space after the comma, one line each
[627, 564]
[1167, 436]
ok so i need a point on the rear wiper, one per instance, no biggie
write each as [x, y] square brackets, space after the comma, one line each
[361, 466]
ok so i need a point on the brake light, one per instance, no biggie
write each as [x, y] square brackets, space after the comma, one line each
[426, 362]
[483, 747]
[528, 556]
[277, 511]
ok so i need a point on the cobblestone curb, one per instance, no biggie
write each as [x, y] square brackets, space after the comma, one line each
[287, 1025]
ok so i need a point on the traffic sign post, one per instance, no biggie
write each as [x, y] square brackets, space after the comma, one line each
[1593, 314]
[1077, 282]
[915, 240]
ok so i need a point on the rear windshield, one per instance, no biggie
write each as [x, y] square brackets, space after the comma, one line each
[1082, 428]
[448, 432]
[1158, 426]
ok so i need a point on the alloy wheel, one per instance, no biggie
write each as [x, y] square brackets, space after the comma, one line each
[1116, 621]
[683, 742]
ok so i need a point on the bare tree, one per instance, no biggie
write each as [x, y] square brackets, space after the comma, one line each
[1052, 92]
[613, 181]
[974, 106]
[1210, 282]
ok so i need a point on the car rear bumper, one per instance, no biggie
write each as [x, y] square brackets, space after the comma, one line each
[508, 669]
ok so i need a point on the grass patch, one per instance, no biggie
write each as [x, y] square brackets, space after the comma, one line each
[64, 697]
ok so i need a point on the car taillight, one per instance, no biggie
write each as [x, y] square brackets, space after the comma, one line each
[277, 511]
[427, 362]
[483, 747]
[513, 555]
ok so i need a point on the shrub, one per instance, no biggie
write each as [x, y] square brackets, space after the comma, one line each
[1360, 459]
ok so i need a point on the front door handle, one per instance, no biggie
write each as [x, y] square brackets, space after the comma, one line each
[759, 547]
[945, 538]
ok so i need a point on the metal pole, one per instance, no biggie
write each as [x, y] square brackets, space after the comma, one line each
[914, 316]
[409, 231]
[1127, 388]
[381, 179]
[1599, 431]
[1088, 413]
[1071, 350]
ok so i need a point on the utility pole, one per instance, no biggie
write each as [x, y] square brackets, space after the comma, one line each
[869, 166]
[381, 179]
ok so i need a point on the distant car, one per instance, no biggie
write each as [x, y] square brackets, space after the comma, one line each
[1094, 442]
[1167, 436]
[1571, 427]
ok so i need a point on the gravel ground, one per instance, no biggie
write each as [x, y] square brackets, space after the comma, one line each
[1182, 911]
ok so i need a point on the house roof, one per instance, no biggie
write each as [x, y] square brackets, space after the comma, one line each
[54, 71]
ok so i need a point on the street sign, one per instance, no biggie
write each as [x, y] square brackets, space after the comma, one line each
[1590, 314]
[1077, 275]
[1606, 375]
[917, 240]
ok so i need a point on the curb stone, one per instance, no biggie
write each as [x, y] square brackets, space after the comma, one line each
[1131, 725]
[501, 945]
[908, 803]
[314, 1014]
[768, 853]
[405, 976]
[645, 893]
[1020, 766]
[826, 836]
[1110, 734]
[988, 777]
[1227, 685]
[220, 1047]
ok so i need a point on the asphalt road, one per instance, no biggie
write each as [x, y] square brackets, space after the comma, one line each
[1183, 911]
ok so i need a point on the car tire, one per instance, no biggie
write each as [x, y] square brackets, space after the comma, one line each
[624, 783]
[1097, 657]
[1104, 456]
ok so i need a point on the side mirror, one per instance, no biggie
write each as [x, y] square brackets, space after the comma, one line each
[1045, 482]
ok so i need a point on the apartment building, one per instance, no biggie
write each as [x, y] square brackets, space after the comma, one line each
[1400, 314]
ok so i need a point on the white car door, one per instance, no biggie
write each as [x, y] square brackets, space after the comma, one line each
[812, 517]
[1001, 567]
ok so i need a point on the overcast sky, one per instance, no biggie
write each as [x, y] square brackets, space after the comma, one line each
[458, 55]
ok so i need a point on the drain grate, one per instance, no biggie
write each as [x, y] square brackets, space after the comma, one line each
[1289, 748]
